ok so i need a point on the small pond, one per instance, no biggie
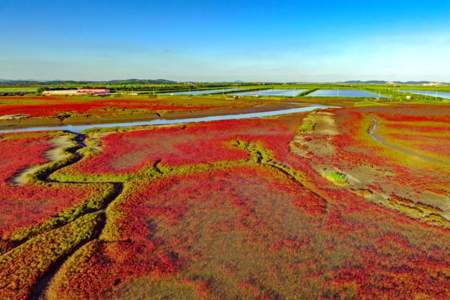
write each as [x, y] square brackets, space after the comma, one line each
[272, 92]
[344, 94]
[436, 94]
[201, 92]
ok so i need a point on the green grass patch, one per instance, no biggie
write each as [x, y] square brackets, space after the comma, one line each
[28, 89]
[336, 177]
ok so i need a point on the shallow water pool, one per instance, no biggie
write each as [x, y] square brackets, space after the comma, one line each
[344, 94]
[272, 92]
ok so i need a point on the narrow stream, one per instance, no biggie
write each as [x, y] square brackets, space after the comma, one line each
[80, 128]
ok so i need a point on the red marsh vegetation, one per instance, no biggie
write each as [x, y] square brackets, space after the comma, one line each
[326, 205]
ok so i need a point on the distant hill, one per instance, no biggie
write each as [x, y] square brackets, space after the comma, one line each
[394, 82]
[7, 82]
[366, 82]
[142, 81]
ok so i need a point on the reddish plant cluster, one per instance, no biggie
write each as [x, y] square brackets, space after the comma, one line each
[28, 205]
[191, 144]
[264, 222]
[23, 266]
[52, 108]
[131, 151]
[418, 127]
[413, 118]
[22, 151]
[98, 266]
[231, 226]
[365, 143]
[430, 138]
[242, 207]
[412, 274]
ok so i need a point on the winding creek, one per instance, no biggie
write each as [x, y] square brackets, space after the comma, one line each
[80, 128]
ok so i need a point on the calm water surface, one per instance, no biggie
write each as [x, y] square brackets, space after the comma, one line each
[272, 92]
[202, 92]
[344, 93]
[437, 94]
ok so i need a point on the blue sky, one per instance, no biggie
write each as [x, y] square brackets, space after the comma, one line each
[225, 40]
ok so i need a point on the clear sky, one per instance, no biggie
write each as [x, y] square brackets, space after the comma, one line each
[225, 40]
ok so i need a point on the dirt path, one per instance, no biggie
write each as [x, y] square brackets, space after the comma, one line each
[373, 133]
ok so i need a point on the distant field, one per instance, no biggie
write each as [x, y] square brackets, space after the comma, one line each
[18, 89]
[55, 110]
[179, 88]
